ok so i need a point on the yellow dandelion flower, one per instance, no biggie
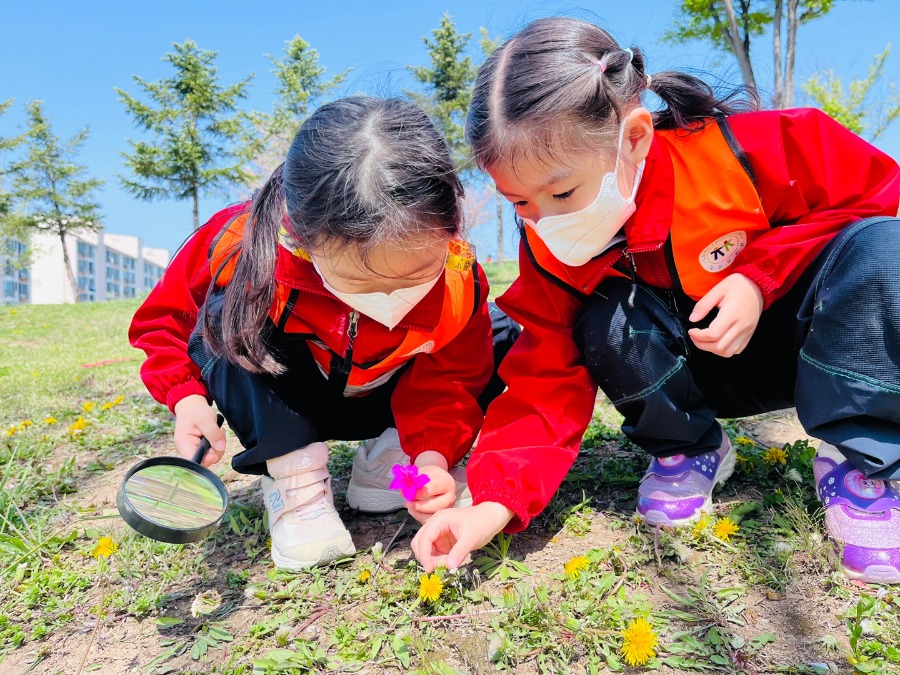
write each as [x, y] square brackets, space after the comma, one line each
[574, 567]
[118, 400]
[364, 576]
[88, 406]
[638, 642]
[49, 420]
[743, 440]
[700, 526]
[775, 455]
[78, 425]
[724, 528]
[13, 429]
[106, 546]
[106, 406]
[26, 423]
[430, 587]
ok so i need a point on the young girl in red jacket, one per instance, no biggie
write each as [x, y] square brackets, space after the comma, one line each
[339, 303]
[698, 262]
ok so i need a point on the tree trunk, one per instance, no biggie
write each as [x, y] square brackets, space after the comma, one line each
[196, 209]
[777, 56]
[793, 23]
[741, 48]
[499, 226]
[70, 275]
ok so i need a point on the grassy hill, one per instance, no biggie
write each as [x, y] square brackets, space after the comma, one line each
[554, 599]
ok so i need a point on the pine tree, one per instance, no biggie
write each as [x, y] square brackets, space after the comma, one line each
[50, 190]
[201, 142]
[6, 144]
[301, 88]
[448, 83]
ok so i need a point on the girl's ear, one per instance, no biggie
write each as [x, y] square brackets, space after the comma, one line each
[638, 135]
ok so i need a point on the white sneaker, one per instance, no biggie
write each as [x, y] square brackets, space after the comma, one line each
[371, 476]
[306, 529]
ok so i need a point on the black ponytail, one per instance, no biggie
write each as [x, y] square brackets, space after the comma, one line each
[239, 335]
[689, 100]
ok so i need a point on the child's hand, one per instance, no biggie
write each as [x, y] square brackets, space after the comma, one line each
[438, 493]
[440, 490]
[452, 534]
[740, 303]
[195, 418]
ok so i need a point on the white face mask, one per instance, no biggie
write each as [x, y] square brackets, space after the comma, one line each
[388, 309]
[574, 238]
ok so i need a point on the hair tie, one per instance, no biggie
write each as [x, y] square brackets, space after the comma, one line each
[630, 54]
[649, 80]
[602, 65]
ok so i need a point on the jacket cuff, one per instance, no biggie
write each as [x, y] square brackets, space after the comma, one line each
[185, 389]
[427, 442]
[511, 499]
[767, 284]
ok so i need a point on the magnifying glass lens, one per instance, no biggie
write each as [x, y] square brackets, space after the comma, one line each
[175, 497]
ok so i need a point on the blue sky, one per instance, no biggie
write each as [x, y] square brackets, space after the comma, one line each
[72, 55]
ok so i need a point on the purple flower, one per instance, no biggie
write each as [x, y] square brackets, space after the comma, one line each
[408, 480]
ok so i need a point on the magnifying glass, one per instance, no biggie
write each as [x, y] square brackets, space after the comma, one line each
[172, 499]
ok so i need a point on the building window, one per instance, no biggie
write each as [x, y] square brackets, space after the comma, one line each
[86, 250]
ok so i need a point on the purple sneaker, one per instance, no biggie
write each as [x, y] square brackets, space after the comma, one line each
[862, 516]
[677, 489]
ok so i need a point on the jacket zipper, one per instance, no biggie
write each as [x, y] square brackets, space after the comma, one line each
[352, 330]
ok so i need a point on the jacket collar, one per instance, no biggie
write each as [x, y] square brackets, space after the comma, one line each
[648, 228]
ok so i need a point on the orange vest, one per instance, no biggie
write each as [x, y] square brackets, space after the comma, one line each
[717, 213]
[461, 299]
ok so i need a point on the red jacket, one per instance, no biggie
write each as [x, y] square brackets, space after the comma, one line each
[435, 402]
[813, 177]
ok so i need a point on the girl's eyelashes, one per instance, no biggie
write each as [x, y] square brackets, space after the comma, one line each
[564, 195]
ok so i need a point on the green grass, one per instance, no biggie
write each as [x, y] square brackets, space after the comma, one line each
[766, 600]
[500, 275]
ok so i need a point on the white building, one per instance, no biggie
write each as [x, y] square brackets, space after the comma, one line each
[15, 288]
[104, 266]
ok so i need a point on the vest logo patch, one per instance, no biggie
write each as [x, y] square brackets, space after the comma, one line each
[427, 348]
[723, 251]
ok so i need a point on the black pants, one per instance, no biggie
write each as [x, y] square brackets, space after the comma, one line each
[274, 415]
[830, 347]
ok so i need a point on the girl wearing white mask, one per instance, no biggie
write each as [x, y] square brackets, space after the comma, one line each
[341, 303]
[705, 260]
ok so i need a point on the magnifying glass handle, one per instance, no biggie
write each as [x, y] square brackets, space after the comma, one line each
[205, 444]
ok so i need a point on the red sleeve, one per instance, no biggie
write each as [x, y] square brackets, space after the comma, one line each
[533, 430]
[162, 325]
[814, 177]
[435, 403]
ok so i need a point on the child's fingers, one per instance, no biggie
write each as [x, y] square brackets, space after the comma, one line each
[706, 303]
[424, 543]
[186, 443]
[213, 433]
[444, 500]
[415, 513]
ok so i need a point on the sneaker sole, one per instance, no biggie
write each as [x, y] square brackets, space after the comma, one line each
[373, 500]
[658, 518]
[329, 554]
[874, 574]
